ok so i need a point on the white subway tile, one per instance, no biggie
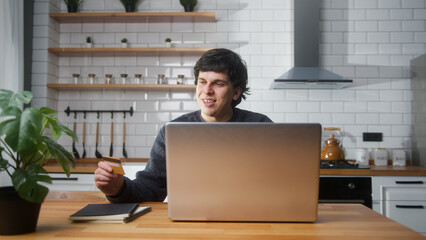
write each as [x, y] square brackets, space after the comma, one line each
[401, 14]
[378, 14]
[344, 95]
[331, 14]
[170, 106]
[366, 48]
[413, 3]
[343, 118]
[367, 95]
[331, 107]
[378, 37]
[285, 106]
[401, 107]
[355, 107]
[308, 107]
[390, 48]
[228, 26]
[391, 118]
[354, 14]
[366, 26]
[401, 131]
[389, 4]
[296, 117]
[322, 118]
[369, 72]
[379, 107]
[420, 14]
[367, 118]
[413, 48]
[365, 3]
[401, 37]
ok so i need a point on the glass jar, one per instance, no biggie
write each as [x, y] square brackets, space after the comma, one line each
[75, 77]
[108, 78]
[380, 157]
[123, 78]
[138, 78]
[92, 78]
[181, 79]
[161, 79]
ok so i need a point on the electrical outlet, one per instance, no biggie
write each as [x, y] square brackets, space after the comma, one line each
[372, 137]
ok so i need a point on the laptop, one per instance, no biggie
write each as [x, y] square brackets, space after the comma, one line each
[243, 171]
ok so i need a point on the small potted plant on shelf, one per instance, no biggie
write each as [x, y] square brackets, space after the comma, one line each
[168, 42]
[72, 5]
[129, 5]
[188, 5]
[28, 141]
[124, 42]
[89, 41]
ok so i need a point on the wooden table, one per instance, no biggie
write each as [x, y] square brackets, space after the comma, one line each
[335, 221]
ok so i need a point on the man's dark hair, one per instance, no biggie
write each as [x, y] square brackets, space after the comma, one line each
[225, 61]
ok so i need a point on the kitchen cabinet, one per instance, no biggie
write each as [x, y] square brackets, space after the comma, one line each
[402, 199]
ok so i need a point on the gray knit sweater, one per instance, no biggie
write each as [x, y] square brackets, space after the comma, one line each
[150, 184]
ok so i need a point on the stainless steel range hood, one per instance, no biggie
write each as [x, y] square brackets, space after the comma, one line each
[306, 72]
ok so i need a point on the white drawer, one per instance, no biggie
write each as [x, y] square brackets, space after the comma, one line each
[409, 213]
[76, 182]
[408, 193]
[382, 184]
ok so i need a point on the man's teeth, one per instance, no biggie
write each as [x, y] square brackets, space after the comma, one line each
[209, 101]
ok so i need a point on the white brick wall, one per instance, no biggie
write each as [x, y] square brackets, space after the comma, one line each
[370, 41]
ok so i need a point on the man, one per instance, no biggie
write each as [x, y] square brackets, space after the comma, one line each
[221, 79]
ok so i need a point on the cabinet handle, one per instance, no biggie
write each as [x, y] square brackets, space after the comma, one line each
[409, 182]
[64, 179]
[410, 206]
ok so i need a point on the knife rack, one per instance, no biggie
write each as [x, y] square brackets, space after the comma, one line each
[68, 111]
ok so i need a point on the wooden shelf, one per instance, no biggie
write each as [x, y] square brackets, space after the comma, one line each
[66, 86]
[102, 52]
[133, 17]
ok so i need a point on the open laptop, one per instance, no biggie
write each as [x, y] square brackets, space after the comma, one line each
[243, 171]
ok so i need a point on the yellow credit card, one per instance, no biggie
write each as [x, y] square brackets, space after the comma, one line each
[115, 164]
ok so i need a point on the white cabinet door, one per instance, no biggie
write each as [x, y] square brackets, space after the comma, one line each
[409, 213]
[402, 199]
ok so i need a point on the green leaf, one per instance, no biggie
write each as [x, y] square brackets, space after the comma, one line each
[5, 98]
[46, 111]
[11, 126]
[62, 156]
[26, 183]
[30, 129]
[8, 98]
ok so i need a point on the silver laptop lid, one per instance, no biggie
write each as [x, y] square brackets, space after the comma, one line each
[243, 171]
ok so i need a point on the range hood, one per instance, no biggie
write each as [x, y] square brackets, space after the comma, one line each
[306, 72]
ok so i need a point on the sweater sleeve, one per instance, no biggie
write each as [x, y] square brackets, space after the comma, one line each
[150, 184]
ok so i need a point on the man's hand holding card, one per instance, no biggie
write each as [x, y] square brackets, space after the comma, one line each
[115, 164]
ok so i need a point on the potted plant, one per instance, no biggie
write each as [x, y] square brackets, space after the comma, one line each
[89, 41]
[28, 139]
[168, 42]
[72, 5]
[124, 42]
[129, 5]
[188, 5]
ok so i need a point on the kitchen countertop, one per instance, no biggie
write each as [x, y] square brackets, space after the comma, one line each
[335, 221]
[89, 166]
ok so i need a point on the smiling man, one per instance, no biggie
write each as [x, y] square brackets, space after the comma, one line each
[221, 79]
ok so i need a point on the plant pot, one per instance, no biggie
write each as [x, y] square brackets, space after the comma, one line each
[89, 45]
[72, 8]
[130, 8]
[168, 44]
[124, 45]
[17, 216]
[188, 8]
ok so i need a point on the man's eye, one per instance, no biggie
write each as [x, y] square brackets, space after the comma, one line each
[220, 84]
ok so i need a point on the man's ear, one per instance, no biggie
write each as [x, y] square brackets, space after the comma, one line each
[237, 93]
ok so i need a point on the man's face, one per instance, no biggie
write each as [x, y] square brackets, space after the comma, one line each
[214, 96]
